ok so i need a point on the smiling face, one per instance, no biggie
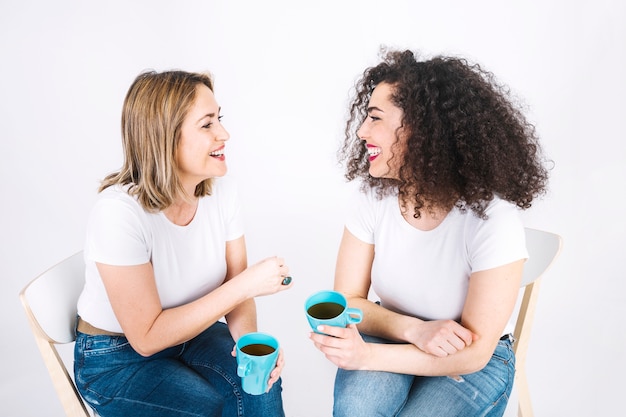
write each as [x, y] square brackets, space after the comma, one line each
[200, 151]
[380, 131]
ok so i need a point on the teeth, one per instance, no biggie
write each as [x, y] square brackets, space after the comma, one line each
[373, 151]
[217, 153]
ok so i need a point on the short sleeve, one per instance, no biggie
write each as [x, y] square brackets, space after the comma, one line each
[500, 239]
[361, 215]
[116, 234]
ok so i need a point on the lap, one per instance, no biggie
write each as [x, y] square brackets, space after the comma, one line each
[197, 378]
[483, 393]
[210, 354]
[370, 393]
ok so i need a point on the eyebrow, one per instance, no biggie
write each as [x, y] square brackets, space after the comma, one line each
[374, 108]
[210, 115]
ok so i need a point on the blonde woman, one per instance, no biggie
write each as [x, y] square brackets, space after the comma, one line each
[165, 261]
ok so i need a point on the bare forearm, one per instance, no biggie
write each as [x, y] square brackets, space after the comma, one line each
[378, 321]
[180, 324]
[408, 359]
[420, 342]
[242, 319]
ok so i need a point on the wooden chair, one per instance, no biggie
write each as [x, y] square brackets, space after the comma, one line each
[543, 248]
[50, 304]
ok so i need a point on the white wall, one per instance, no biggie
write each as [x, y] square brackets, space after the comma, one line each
[283, 71]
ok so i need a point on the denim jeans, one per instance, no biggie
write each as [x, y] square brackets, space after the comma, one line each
[196, 378]
[378, 394]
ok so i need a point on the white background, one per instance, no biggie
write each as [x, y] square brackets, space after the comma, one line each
[283, 72]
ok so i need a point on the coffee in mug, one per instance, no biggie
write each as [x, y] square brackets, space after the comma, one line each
[330, 308]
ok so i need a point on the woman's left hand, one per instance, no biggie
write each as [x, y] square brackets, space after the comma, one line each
[343, 346]
[275, 374]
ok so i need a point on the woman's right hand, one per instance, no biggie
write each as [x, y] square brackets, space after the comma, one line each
[441, 337]
[266, 277]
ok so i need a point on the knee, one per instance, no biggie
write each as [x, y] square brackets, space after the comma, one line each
[268, 404]
[353, 402]
[362, 393]
[350, 399]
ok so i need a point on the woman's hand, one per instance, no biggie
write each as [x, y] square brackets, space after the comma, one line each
[343, 346]
[266, 277]
[275, 374]
[441, 337]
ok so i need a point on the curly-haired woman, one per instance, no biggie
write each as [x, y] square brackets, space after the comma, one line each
[447, 161]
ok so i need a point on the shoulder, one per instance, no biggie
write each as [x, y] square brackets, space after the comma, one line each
[367, 212]
[502, 214]
[499, 238]
[502, 223]
[363, 203]
[117, 193]
[499, 214]
[116, 202]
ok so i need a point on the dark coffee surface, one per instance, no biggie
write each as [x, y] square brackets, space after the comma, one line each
[257, 349]
[325, 310]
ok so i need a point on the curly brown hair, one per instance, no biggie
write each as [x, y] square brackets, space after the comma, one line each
[467, 140]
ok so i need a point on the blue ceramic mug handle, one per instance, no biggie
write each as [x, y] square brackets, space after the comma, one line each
[243, 369]
[353, 315]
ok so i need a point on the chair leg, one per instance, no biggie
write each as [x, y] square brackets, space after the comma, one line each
[525, 408]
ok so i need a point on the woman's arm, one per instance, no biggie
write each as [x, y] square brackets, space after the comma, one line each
[353, 279]
[490, 300]
[135, 301]
[241, 319]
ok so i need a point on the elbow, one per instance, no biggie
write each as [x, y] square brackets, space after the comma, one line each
[143, 348]
[479, 361]
[477, 365]
[143, 351]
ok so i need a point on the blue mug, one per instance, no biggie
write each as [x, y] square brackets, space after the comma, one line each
[330, 308]
[257, 354]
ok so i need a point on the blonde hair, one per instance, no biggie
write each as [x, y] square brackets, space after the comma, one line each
[154, 109]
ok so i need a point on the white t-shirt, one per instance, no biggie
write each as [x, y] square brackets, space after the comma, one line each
[188, 261]
[425, 274]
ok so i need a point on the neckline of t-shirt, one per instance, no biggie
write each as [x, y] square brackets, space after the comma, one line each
[407, 226]
[178, 226]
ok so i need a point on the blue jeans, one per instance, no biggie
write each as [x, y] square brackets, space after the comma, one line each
[196, 378]
[378, 394]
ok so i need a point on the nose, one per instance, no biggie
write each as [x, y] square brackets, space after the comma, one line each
[222, 134]
[362, 131]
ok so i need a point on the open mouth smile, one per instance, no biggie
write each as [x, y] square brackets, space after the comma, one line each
[373, 152]
[218, 153]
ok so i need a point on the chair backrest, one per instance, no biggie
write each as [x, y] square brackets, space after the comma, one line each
[50, 304]
[543, 248]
